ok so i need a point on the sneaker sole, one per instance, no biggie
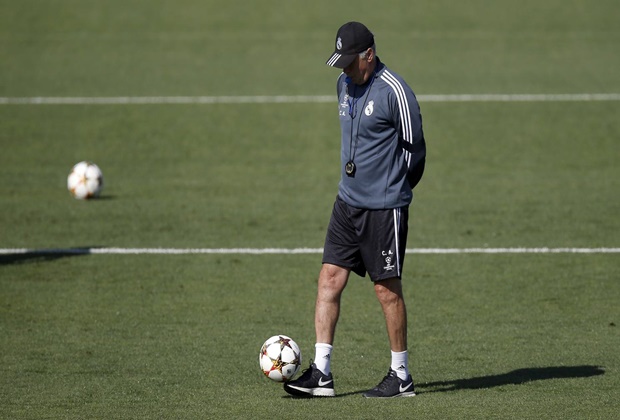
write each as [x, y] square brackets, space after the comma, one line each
[404, 394]
[309, 392]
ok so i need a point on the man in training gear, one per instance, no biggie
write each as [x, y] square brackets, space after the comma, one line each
[382, 159]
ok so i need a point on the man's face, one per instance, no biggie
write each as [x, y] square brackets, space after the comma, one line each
[359, 71]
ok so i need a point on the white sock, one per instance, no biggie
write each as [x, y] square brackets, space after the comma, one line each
[400, 364]
[323, 357]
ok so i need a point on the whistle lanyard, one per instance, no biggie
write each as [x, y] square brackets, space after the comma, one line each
[350, 165]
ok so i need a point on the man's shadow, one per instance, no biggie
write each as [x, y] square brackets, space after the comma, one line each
[514, 377]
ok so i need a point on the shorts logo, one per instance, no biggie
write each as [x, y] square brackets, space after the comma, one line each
[387, 255]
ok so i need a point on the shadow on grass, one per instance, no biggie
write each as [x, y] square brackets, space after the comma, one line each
[514, 377]
[42, 255]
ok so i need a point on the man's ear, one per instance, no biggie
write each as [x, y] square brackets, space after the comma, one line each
[370, 54]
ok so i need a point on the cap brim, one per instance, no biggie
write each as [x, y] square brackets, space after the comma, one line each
[339, 60]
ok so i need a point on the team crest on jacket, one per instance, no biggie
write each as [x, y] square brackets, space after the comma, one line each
[369, 108]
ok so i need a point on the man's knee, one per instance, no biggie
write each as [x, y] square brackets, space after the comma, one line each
[333, 278]
[389, 291]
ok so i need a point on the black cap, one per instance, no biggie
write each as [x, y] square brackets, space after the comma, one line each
[352, 38]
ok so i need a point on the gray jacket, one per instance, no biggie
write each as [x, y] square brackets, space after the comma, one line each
[382, 135]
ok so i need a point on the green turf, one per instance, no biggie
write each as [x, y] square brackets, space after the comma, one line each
[176, 176]
[134, 336]
[146, 336]
[191, 47]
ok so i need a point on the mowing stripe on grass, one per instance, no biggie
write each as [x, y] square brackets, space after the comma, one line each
[281, 251]
[274, 99]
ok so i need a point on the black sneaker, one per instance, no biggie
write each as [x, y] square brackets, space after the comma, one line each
[312, 383]
[392, 386]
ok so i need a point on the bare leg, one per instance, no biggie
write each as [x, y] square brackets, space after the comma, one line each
[332, 281]
[390, 295]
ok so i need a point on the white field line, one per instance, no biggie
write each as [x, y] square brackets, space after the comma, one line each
[157, 100]
[284, 251]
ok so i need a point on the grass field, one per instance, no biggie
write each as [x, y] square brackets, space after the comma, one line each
[177, 336]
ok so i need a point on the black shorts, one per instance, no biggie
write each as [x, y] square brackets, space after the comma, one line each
[370, 241]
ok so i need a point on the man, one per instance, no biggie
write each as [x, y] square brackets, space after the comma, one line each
[383, 154]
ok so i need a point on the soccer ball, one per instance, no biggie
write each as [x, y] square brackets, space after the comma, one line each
[85, 181]
[280, 358]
